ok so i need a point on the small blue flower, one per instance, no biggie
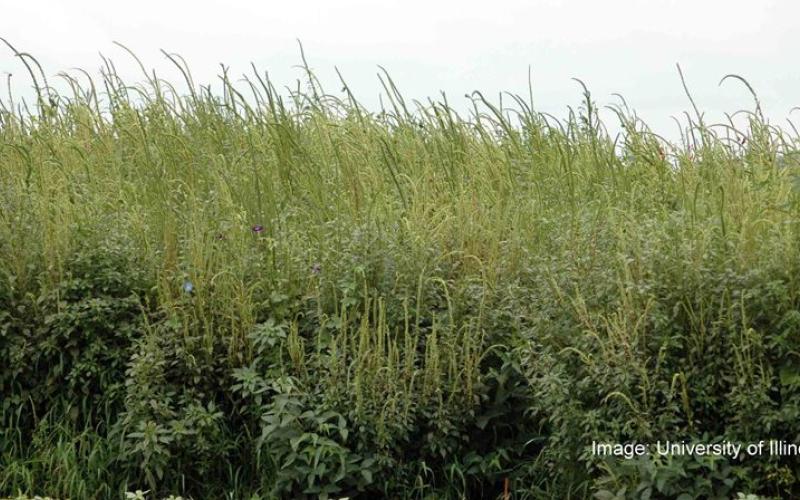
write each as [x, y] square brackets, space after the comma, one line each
[188, 287]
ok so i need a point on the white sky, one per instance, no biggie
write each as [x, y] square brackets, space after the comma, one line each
[624, 46]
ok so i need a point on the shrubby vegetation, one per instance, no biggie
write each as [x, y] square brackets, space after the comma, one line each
[247, 295]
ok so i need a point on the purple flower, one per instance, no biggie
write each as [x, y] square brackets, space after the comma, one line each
[258, 228]
[316, 268]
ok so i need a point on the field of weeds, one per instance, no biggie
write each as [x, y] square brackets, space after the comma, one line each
[261, 294]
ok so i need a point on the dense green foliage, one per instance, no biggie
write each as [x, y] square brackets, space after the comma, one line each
[216, 295]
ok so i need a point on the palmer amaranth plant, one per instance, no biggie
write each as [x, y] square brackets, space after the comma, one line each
[246, 294]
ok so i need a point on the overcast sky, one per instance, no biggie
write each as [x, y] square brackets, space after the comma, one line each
[624, 46]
